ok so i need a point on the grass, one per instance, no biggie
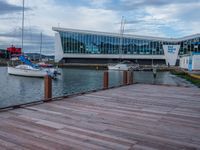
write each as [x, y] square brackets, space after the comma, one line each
[186, 76]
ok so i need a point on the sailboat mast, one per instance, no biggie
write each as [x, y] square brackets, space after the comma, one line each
[23, 26]
[152, 58]
[121, 37]
[40, 45]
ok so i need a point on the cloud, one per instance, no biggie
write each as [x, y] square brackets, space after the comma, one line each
[131, 5]
[189, 13]
[182, 19]
[32, 40]
[6, 8]
[167, 18]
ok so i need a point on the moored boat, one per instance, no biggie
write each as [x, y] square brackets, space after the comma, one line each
[31, 70]
[26, 70]
[123, 66]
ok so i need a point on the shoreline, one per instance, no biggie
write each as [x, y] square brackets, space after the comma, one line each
[192, 78]
[174, 70]
[3, 63]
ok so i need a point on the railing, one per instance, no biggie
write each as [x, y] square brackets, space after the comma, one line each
[127, 80]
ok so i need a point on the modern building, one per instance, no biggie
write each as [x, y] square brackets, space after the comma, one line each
[190, 61]
[72, 45]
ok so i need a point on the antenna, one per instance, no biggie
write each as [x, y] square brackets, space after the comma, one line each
[23, 26]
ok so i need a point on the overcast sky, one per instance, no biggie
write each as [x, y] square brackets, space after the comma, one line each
[163, 18]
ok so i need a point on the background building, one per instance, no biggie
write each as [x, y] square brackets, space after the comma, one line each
[3, 53]
[190, 61]
[10, 52]
[84, 46]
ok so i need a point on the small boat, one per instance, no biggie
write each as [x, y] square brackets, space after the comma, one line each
[26, 70]
[119, 66]
[31, 70]
[123, 66]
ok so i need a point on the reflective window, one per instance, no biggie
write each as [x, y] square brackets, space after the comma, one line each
[74, 42]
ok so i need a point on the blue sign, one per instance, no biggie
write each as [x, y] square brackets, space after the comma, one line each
[195, 53]
[190, 63]
[171, 49]
[196, 43]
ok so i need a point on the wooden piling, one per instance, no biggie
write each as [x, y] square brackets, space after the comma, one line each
[47, 88]
[124, 77]
[130, 77]
[105, 80]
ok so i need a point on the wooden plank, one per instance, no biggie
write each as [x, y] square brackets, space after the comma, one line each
[131, 117]
[9, 145]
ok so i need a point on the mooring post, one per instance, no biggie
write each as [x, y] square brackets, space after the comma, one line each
[47, 88]
[124, 77]
[130, 77]
[105, 80]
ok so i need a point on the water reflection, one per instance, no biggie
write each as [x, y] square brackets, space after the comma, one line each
[18, 90]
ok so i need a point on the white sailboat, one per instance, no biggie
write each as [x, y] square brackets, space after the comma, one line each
[28, 69]
[125, 65]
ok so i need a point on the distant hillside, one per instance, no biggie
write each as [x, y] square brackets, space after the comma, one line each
[36, 56]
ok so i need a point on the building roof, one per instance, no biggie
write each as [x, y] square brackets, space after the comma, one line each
[58, 29]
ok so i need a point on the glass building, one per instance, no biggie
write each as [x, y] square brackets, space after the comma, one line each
[91, 45]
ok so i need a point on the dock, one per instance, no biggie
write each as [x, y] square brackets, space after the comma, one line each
[133, 117]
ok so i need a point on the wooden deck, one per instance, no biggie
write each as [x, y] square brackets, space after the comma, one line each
[136, 117]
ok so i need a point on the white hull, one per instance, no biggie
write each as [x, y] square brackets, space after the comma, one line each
[124, 66]
[26, 72]
[121, 68]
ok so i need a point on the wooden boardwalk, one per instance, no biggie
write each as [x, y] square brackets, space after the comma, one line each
[135, 117]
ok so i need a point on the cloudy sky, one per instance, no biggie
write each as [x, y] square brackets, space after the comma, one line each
[163, 18]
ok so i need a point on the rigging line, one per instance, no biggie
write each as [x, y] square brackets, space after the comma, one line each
[23, 26]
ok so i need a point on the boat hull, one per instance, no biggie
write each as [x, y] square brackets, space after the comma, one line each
[118, 68]
[26, 72]
[121, 67]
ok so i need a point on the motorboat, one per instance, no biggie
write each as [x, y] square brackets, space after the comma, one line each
[123, 66]
[119, 66]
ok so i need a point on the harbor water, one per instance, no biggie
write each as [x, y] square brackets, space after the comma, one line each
[19, 90]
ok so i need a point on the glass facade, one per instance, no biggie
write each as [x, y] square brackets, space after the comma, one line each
[88, 43]
[188, 46]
